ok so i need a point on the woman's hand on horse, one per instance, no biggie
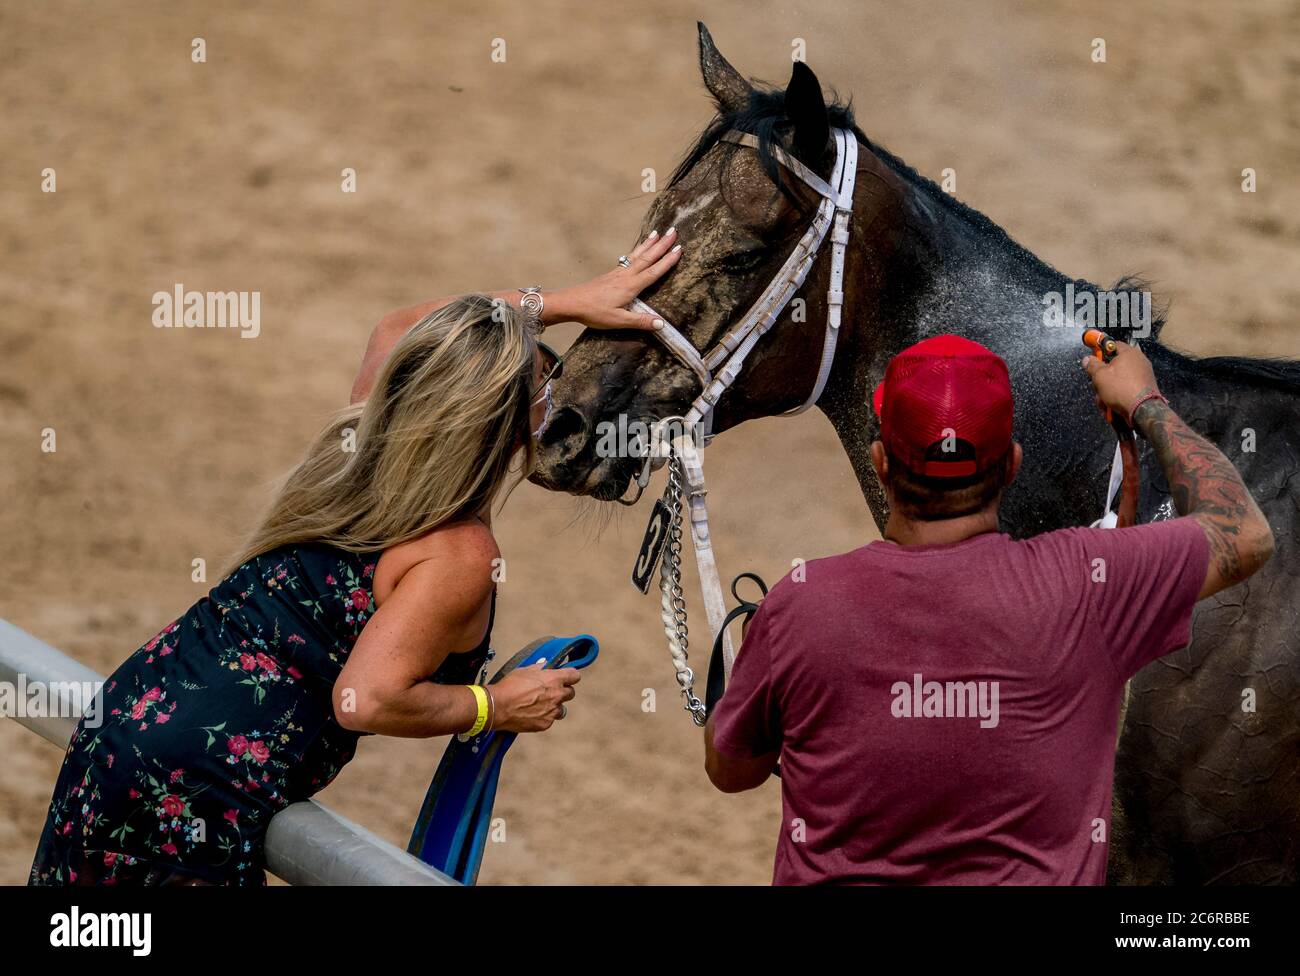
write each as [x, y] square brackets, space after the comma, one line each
[602, 302]
[531, 699]
[598, 304]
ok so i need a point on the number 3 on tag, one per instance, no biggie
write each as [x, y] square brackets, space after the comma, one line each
[652, 546]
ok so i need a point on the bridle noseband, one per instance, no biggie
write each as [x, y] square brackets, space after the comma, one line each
[673, 438]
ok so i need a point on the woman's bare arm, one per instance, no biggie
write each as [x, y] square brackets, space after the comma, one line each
[598, 304]
[438, 606]
[395, 324]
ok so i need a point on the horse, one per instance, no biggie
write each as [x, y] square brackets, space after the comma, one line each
[1207, 766]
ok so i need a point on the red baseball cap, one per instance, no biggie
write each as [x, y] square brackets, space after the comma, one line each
[945, 407]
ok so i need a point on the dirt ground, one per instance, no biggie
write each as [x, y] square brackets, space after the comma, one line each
[473, 175]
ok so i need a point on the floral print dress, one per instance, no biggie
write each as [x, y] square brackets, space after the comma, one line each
[220, 721]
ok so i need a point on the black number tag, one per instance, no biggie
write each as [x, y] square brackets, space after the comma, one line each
[652, 546]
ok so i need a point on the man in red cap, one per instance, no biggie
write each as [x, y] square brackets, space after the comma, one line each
[944, 702]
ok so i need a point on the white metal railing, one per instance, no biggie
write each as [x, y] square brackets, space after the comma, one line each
[306, 844]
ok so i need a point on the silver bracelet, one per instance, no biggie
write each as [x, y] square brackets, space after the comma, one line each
[533, 305]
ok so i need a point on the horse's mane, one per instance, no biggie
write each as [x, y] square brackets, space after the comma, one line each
[1277, 374]
[764, 116]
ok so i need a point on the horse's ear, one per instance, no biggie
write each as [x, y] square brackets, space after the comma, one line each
[727, 86]
[806, 109]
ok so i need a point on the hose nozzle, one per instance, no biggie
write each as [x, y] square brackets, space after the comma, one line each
[1102, 345]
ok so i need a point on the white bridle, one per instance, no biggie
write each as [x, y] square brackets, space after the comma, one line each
[720, 367]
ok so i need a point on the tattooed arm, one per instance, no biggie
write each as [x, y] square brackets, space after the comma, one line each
[1205, 485]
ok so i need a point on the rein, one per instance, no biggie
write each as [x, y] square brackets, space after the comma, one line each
[678, 441]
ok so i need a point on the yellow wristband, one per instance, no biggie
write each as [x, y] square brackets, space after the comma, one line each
[481, 697]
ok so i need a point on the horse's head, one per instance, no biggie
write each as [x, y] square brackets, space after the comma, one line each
[739, 215]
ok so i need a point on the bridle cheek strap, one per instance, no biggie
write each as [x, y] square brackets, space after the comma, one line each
[835, 289]
[718, 369]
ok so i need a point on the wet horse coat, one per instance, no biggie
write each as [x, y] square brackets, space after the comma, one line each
[1207, 784]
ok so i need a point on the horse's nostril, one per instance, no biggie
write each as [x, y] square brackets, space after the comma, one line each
[566, 432]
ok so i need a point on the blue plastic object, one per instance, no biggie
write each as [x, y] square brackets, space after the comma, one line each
[451, 830]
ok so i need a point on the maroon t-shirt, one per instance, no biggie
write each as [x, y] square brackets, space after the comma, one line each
[947, 714]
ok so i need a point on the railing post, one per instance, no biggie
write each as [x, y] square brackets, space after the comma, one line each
[306, 844]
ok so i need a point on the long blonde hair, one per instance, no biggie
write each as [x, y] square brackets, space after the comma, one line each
[432, 443]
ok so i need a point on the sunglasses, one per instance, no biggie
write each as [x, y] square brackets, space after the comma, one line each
[554, 366]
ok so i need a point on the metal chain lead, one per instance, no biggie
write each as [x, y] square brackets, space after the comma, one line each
[671, 601]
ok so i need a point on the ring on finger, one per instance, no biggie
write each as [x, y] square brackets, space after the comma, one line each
[624, 261]
[563, 712]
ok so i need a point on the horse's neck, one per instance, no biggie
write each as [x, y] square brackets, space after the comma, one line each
[945, 277]
[946, 274]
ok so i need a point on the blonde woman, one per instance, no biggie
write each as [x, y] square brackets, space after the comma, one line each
[363, 603]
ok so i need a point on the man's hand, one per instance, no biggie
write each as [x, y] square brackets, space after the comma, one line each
[1203, 482]
[735, 775]
[1120, 382]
